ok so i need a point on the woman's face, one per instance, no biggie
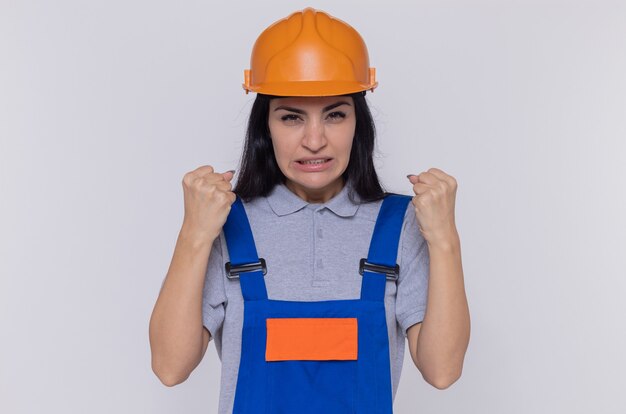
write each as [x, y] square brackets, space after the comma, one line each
[320, 129]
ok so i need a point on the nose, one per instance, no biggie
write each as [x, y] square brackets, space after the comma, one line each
[314, 136]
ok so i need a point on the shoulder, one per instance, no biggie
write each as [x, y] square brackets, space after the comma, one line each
[258, 206]
[368, 210]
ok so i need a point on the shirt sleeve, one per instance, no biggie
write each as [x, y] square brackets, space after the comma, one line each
[412, 286]
[214, 294]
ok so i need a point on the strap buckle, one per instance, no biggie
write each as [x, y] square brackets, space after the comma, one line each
[232, 272]
[391, 272]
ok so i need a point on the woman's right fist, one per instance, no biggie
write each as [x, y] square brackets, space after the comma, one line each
[208, 199]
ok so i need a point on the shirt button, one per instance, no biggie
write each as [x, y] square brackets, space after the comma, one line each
[319, 233]
[320, 264]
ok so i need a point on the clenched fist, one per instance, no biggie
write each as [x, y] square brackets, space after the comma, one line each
[208, 199]
[435, 193]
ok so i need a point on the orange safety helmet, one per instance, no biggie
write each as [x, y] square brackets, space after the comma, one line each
[309, 53]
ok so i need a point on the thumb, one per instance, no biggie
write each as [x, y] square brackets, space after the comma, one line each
[228, 175]
[413, 178]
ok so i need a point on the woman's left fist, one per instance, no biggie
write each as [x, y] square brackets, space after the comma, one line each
[435, 193]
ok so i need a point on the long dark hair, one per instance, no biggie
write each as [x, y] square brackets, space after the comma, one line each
[259, 171]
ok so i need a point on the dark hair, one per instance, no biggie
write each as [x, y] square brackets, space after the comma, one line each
[259, 171]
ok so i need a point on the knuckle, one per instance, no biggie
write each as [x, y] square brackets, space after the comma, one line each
[198, 183]
[211, 189]
[218, 197]
[187, 178]
[226, 198]
[424, 199]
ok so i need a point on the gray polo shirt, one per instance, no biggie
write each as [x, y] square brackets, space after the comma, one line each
[312, 252]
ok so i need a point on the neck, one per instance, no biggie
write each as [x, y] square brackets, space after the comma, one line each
[316, 195]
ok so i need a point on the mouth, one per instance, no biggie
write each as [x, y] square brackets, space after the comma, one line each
[318, 161]
[314, 165]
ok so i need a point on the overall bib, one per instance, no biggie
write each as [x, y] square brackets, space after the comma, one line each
[315, 357]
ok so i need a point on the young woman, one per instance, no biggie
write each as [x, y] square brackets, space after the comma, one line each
[308, 275]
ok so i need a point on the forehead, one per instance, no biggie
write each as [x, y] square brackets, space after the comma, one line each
[309, 101]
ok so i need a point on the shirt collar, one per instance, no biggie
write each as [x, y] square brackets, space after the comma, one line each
[283, 201]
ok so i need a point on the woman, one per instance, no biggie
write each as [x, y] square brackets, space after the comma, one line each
[315, 275]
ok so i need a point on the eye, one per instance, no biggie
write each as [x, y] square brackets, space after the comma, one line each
[289, 117]
[337, 115]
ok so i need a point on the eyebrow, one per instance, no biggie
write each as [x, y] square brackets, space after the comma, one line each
[300, 111]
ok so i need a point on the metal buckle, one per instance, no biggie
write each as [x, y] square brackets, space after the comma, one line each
[232, 272]
[390, 272]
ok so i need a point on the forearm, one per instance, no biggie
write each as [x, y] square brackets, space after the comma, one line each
[445, 331]
[176, 322]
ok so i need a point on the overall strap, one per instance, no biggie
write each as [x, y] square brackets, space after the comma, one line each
[244, 260]
[383, 252]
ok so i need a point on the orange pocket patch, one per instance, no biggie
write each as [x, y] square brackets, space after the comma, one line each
[311, 339]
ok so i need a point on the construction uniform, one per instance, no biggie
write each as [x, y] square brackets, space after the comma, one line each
[313, 331]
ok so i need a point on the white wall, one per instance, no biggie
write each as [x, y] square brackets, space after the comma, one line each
[104, 105]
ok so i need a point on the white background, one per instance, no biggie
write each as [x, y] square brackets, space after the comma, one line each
[105, 105]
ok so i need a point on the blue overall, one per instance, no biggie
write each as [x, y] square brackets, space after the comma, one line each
[359, 385]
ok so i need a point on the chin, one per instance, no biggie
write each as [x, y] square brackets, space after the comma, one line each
[314, 183]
